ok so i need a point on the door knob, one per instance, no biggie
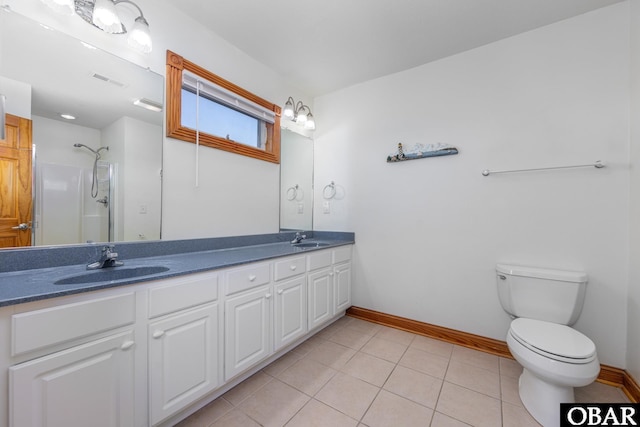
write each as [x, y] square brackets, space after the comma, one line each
[23, 226]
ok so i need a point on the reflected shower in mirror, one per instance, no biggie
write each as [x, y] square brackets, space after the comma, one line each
[296, 181]
[47, 75]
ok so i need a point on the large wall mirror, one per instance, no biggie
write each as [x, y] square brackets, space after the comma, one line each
[296, 181]
[97, 177]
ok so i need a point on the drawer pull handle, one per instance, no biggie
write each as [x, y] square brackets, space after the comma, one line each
[158, 334]
[267, 296]
[252, 277]
[279, 291]
[293, 268]
[127, 345]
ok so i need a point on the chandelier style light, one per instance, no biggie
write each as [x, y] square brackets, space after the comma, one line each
[103, 15]
[299, 113]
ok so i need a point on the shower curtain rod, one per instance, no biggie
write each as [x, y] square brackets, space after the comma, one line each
[598, 165]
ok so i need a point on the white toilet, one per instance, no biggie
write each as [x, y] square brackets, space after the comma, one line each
[555, 357]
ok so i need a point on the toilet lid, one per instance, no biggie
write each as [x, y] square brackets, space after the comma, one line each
[553, 340]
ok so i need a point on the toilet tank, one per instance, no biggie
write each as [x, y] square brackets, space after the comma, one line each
[538, 293]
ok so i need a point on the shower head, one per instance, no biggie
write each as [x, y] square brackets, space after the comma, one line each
[97, 153]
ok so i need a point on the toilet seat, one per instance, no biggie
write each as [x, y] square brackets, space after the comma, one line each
[557, 342]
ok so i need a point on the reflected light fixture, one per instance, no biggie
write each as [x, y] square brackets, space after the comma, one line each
[148, 104]
[106, 17]
[65, 7]
[103, 14]
[299, 113]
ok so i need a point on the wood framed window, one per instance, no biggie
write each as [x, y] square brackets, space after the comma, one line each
[206, 108]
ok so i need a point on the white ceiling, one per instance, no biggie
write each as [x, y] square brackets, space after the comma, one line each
[69, 85]
[322, 46]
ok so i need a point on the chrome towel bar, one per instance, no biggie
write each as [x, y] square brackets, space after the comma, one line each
[598, 165]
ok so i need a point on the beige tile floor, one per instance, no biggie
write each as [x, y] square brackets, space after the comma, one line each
[357, 373]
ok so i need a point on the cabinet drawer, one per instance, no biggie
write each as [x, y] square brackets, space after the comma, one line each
[319, 259]
[247, 278]
[41, 328]
[178, 294]
[289, 268]
[342, 254]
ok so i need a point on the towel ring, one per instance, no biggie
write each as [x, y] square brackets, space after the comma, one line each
[332, 191]
[292, 193]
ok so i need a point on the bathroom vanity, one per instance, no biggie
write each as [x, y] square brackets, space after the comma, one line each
[152, 349]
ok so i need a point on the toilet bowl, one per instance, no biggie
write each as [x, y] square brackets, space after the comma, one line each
[555, 357]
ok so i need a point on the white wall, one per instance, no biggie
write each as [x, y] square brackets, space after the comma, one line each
[136, 153]
[429, 232]
[236, 194]
[143, 181]
[633, 344]
[18, 96]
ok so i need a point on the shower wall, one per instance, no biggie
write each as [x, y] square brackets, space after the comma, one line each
[95, 212]
[64, 210]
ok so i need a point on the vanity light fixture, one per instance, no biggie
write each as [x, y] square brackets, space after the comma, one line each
[299, 113]
[103, 15]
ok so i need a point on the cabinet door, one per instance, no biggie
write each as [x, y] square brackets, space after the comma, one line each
[290, 311]
[88, 385]
[183, 360]
[320, 288]
[342, 287]
[247, 326]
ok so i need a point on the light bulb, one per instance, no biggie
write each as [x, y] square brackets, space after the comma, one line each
[139, 35]
[106, 18]
[288, 110]
[310, 123]
[301, 117]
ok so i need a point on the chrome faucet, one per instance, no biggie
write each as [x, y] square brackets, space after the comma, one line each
[107, 259]
[299, 237]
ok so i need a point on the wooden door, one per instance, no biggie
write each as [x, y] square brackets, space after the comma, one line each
[15, 183]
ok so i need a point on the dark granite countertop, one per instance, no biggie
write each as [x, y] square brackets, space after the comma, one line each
[30, 274]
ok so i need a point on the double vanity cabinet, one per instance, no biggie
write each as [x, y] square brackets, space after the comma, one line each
[150, 353]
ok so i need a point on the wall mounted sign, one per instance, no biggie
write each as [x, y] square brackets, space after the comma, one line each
[421, 151]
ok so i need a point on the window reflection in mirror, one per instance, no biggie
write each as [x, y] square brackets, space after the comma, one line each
[44, 73]
[296, 182]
